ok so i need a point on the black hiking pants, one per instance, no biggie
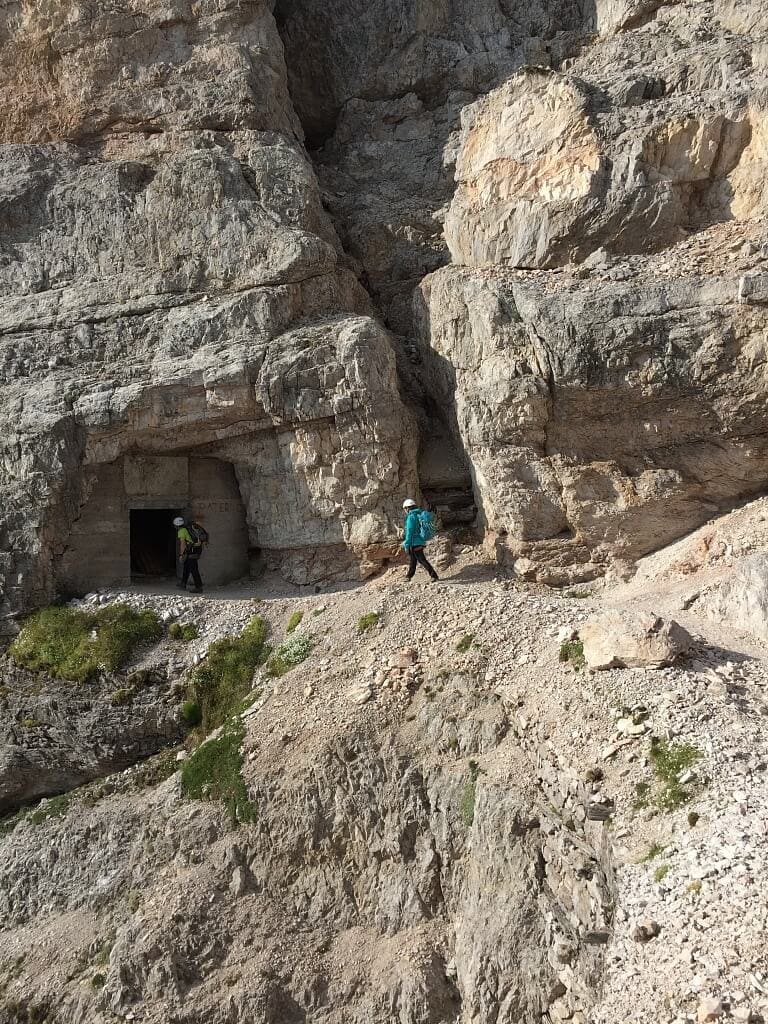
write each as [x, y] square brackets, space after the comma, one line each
[417, 555]
[190, 568]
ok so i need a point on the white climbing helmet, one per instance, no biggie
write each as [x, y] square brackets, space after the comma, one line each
[178, 521]
[409, 503]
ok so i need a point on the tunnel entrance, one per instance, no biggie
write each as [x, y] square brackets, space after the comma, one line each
[153, 541]
[124, 530]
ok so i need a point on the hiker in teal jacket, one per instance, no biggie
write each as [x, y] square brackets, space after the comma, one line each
[414, 541]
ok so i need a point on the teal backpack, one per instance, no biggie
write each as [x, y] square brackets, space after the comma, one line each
[427, 525]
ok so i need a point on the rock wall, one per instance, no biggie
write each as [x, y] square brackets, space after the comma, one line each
[582, 185]
[613, 401]
[172, 285]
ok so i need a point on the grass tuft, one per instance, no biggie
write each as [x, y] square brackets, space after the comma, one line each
[56, 807]
[572, 653]
[661, 872]
[467, 802]
[670, 762]
[294, 622]
[368, 621]
[214, 772]
[654, 850]
[72, 644]
[465, 643]
[225, 678]
[292, 652]
[184, 631]
[191, 713]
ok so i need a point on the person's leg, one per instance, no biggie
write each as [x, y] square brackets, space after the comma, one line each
[411, 564]
[196, 575]
[185, 574]
[423, 560]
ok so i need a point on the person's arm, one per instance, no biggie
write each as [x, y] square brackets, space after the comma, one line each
[183, 548]
[408, 531]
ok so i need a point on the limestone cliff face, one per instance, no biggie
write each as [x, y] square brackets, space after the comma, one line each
[557, 210]
[172, 285]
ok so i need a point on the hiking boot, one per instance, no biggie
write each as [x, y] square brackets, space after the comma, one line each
[181, 586]
[435, 579]
[197, 590]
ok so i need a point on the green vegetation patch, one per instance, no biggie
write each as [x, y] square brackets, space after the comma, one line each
[468, 794]
[572, 653]
[192, 713]
[214, 772]
[465, 643]
[661, 872]
[183, 631]
[367, 621]
[654, 850]
[670, 762]
[56, 807]
[72, 644]
[294, 622]
[295, 650]
[225, 678]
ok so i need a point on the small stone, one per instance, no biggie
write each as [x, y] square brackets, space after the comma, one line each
[360, 694]
[709, 1008]
[237, 885]
[645, 929]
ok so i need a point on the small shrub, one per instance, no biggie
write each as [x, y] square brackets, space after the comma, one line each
[465, 643]
[183, 631]
[693, 818]
[572, 653]
[72, 644]
[294, 622]
[661, 872]
[31, 723]
[578, 595]
[214, 772]
[224, 679]
[191, 713]
[694, 887]
[368, 621]
[292, 652]
[155, 770]
[98, 981]
[121, 697]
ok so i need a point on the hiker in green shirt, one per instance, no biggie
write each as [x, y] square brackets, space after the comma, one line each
[191, 547]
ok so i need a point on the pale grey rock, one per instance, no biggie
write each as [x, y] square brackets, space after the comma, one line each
[624, 638]
[741, 600]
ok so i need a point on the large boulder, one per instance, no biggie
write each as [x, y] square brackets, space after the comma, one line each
[623, 638]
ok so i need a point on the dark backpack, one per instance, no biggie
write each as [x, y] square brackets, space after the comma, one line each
[199, 536]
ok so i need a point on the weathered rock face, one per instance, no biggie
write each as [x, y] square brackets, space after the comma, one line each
[603, 418]
[585, 169]
[172, 284]
[613, 406]
[59, 735]
[361, 890]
